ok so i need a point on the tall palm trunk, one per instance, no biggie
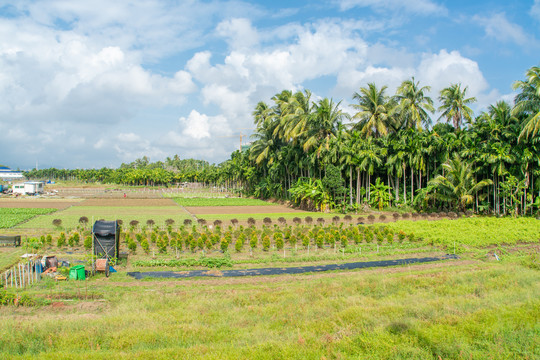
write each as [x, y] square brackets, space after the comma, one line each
[350, 184]
[412, 185]
[358, 186]
[404, 185]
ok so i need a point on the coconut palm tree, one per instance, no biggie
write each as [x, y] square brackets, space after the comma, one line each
[413, 105]
[323, 125]
[458, 186]
[454, 105]
[528, 103]
[374, 111]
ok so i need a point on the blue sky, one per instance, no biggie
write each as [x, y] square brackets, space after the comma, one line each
[96, 83]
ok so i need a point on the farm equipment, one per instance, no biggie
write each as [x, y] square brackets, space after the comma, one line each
[101, 265]
[105, 243]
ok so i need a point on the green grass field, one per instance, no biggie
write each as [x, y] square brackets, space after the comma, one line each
[70, 217]
[475, 307]
[220, 202]
[10, 217]
[481, 231]
[470, 309]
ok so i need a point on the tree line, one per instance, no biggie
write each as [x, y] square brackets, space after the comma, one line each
[390, 153]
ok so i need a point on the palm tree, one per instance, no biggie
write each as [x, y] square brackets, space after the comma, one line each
[454, 105]
[323, 125]
[528, 102]
[374, 111]
[458, 186]
[414, 105]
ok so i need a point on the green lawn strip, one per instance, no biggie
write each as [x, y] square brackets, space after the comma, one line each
[10, 217]
[220, 202]
[467, 311]
[476, 232]
[272, 216]
[70, 217]
[196, 194]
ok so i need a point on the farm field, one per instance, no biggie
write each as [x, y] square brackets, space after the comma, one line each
[70, 217]
[10, 217]
[473, 307]
[228, 202]
[469, 309]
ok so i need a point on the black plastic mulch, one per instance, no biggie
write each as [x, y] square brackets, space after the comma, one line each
[286, 270]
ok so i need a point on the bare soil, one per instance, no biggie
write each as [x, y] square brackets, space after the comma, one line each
[127, 202]
[37, 203]
[274, 209]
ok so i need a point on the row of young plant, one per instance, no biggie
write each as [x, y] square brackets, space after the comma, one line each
[308, 220]
[239, 239]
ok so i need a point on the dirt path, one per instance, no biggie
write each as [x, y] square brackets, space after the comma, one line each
[38, 203]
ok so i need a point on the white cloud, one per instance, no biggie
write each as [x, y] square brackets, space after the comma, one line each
[446, 68]
[423, 7]
[129, 146]
[535, 10]
[498, 27]
[238, 32]
[199, 126]
[196, 125]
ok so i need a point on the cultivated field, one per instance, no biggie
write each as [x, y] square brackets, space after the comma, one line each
[479, 306]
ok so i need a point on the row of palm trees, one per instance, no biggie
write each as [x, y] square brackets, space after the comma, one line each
[391, 137]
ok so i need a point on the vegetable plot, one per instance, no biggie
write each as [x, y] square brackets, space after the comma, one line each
[12, 216]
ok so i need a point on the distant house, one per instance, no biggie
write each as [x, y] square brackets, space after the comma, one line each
[7, 174]
[28, 188]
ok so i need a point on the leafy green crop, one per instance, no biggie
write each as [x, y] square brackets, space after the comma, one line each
[12, 216]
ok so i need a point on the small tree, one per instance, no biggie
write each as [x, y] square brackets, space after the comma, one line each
[238, 245]
[266, 243]
[253, 241]
[145, 246]
[57, 223]
[88, 242]
[83, 220]
[187, 222]
[61, 240]
[224, 244]
[308, 220]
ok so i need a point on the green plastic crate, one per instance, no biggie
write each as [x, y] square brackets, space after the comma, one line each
[77, 272]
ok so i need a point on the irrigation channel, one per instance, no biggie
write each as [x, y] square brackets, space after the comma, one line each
[286, 270]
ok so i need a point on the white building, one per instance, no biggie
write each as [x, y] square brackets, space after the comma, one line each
[28, 188]
[7, 174]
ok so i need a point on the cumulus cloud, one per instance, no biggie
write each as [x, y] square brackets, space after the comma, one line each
[422, 7]
[535, 10]
[446, 68]
[497, 26]
[82, 87]
[238, 32]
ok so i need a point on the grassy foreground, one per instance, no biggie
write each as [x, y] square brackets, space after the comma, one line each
[466, 309]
